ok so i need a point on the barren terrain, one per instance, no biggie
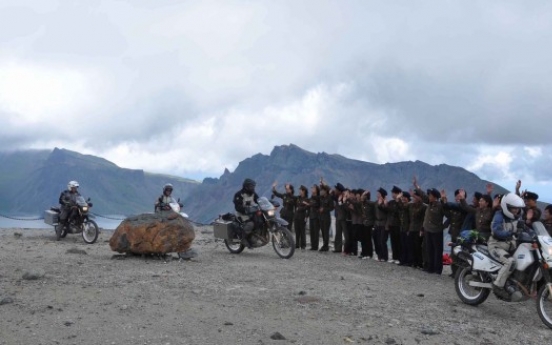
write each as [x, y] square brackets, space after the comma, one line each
[86, 294]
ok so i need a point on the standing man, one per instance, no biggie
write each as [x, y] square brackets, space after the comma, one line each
[368, 220]
[301, 209]
[404, 216]
[288, 200]
[433, 229]
[340, 217]
[393, 225]
[314, 216]
[326, 207]
[416, 214]
[381, 233]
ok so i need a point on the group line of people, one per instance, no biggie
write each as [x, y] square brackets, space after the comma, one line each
[413, 220]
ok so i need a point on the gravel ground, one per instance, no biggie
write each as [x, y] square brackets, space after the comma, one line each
[68, 292]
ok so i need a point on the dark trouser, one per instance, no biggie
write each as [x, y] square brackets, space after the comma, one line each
[376, 237]
[300, 236]
[348, 233]
[406, 255]
[357, 230]
[434, 249]
[383, 235]
[365, 237]
[67, 213]
[325, 224]
[289, 219]
[340, 228]
[395, 234]
[415, 246]
[314, 225]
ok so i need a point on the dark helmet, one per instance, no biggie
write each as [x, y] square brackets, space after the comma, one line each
[249, 185]
[167, 187]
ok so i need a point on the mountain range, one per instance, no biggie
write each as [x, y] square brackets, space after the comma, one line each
[31, 181]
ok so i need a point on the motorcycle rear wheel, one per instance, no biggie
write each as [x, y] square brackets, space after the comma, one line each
[90, 232]
[468, 294]
[544, 306]
[234, 248]
[283, 243]
[59, 232]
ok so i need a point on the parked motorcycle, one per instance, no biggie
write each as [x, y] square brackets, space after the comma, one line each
[268, 228]
[174, 205]
[81, 222]
[531, 278]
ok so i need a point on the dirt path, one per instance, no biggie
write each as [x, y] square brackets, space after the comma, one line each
[219, 298]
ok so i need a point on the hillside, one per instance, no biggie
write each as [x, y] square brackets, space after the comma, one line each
[31, 181]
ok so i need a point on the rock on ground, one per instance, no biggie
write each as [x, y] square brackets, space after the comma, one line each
[153, 234]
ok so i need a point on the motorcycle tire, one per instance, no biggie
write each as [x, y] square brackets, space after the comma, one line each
[461, 286]
[544, 306]
[90, 232]
[59, 231]
[283, 243]
[234, 248]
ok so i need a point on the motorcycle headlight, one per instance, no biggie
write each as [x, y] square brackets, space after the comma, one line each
[85, 208]
[270, 213]
[550, 251]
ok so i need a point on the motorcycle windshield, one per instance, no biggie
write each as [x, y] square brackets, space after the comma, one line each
[81, 201]
[264, 204]
[539, 229]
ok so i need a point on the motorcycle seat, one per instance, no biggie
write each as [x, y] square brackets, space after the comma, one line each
[55, 209]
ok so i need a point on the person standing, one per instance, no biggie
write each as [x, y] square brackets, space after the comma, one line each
[547, 219]
[433, 229]
[394, 223]
[288, 200]
[314, 217]
[404, 216]
[301, 209]
[380, 226]
[416, 214]
[326, 207]
[355, 211]
[340, 217]
[483, 213]
[368, 219]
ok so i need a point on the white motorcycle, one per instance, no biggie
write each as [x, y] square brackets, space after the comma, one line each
[532, 276]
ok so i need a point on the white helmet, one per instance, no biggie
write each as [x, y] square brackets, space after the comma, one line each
[72, 184]
[509, 201]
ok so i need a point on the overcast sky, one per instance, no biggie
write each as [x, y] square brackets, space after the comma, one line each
[189, 88]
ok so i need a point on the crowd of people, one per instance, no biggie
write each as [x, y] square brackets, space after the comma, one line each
[413, 220]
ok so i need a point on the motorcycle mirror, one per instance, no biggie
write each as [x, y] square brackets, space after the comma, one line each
[87, 199]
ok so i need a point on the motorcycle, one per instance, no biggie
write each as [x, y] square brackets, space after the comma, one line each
[81, 222]
[268, 228]
[174, 205]
[532, 276]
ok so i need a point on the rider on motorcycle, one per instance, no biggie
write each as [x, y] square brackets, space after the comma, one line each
[162, 203]
[244, 199]
[68, 202]
[501, 244]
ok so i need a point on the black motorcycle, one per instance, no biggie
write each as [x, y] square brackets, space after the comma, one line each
[79, 222]
[268, 228]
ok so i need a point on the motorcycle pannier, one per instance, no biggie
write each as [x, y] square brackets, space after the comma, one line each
[223, 229]
[51, 217]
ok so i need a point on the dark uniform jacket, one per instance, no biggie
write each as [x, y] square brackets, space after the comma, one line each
[482, 217]
[314, 207]
[368, 213]
[355, 210]
[326, 205]
[404, 216]
[381, 215]
[456, 217]
[239, 205]
[301, 210]
[288, 204]
[416, 215]
[340, 209]
[435, 213]
[536, 214]
[393, 218]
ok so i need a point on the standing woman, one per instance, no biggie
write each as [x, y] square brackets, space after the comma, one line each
[326, 207]
[301, 209]
[314, 216]
[368, 219]
[483, 214]
[288, 200]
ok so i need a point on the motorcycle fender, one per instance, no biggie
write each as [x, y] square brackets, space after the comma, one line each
[279, 221]
[484, 263]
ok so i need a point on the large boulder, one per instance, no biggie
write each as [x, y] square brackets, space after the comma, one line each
[153, 234]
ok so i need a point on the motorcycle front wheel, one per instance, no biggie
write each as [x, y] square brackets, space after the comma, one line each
[234, 248]
[283, 243]
[469, 294]
[544, 305]
[90, 232]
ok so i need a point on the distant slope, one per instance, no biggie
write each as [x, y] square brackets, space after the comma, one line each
[38, 178]
[290, 163]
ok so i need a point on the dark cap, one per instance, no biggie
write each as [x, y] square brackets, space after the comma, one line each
[434, 192]
[339, 187]
[456, 192]
[417, 192]
[477, 195]
[530, 196]
[406, 195]
[396, 190]
[383, 192]
[360, 191]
